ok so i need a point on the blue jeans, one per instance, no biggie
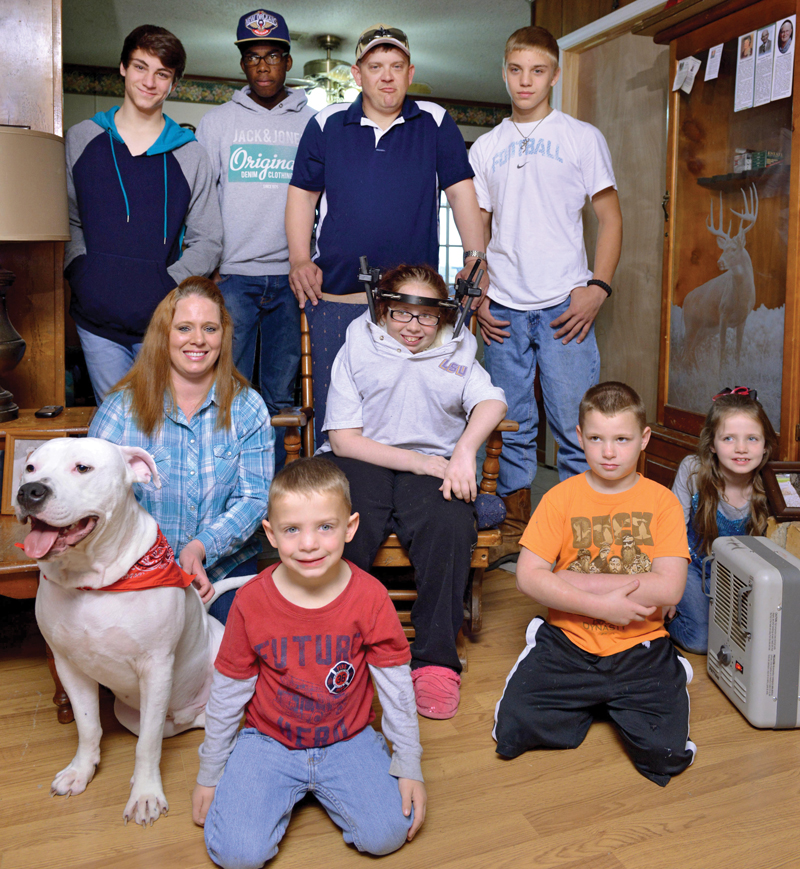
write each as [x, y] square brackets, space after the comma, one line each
[566, 372]
[266, 302]
[263, 780]
[327, 326]
[106, 361]
[689, 628]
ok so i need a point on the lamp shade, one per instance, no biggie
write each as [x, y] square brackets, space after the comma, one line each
[33, 186]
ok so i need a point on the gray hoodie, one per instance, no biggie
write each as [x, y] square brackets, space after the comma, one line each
[252, 151]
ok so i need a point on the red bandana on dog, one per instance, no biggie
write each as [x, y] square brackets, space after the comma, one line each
[157, 568]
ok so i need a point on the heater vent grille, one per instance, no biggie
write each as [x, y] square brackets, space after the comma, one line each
[730, 599]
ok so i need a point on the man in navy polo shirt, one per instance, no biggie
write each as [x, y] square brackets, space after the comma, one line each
[379, 163]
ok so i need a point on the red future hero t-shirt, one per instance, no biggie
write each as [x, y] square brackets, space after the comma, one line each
[313, 686]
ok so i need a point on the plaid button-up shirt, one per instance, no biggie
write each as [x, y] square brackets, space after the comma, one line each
[214, 482]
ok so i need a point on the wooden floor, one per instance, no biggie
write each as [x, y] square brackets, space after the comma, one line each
[738, 806]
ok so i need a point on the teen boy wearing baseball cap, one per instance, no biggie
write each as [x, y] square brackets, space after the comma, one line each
[252, 142]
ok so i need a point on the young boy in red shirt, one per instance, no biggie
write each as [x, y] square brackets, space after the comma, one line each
[300, 643]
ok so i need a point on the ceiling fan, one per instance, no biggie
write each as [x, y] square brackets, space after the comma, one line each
[334, 77]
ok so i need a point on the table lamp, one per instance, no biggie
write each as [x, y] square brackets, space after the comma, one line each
[33, 207]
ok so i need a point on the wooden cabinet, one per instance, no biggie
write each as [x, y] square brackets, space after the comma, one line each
[729, 311]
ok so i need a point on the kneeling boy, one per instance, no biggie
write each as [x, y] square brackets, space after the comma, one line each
[604, 645]
[300, 643]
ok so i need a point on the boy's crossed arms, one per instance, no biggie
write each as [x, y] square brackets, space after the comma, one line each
[615, 598]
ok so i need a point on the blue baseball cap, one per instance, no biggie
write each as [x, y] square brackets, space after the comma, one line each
[262, 25]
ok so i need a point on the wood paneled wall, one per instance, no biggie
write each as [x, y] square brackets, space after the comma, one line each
[30, 94]
[623, 92]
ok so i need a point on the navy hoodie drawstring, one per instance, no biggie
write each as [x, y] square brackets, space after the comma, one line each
[125, 195]
[119, 176]
[165, 197]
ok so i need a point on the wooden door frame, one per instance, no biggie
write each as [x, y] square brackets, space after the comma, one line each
[565, 93]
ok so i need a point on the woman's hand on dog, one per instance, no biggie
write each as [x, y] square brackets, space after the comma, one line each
[191, 560]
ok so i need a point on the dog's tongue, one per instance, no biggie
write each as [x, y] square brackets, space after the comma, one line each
[40, 540]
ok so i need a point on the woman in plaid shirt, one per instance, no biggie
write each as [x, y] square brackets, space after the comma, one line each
[209, 433]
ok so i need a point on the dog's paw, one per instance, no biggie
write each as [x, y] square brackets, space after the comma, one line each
[145, 807]
[71, 781]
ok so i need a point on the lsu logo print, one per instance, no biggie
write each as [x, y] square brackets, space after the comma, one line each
[453, 368]
[339, 677]
[261, 23]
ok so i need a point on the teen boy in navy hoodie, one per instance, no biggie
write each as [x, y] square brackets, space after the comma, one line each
[140, 187]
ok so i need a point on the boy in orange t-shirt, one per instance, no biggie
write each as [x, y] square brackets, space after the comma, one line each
[618, 542]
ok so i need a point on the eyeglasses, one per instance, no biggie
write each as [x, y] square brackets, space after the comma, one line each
[379, 33]
[272, 59]
[407, 317]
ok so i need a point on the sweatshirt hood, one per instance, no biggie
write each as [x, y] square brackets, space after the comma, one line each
[294, 100]
[173, 136]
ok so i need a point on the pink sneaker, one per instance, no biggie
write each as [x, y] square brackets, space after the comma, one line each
[436, 691]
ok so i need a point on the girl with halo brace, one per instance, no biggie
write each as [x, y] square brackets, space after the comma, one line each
[408, 408]
[722, 494]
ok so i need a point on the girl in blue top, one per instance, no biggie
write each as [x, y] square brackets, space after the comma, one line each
[722, 493]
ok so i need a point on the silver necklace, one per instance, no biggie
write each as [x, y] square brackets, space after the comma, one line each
[525, 139]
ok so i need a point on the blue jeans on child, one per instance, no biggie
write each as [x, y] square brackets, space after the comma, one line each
[689, 628]
[263, 780]
[566, 372]
[266, 302]
[106, 361]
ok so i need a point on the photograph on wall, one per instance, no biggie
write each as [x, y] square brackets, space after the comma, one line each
[745, 72]
[764, 52]
[783, 59]
[712, 65]
[685, 74]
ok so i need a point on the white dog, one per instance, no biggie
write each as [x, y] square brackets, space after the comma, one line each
[153, 648]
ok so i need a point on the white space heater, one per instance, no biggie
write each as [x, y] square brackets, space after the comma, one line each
[754, 629]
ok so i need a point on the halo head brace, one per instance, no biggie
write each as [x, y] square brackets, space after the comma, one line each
[464, 288]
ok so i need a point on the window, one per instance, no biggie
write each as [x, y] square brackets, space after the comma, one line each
[451, 253]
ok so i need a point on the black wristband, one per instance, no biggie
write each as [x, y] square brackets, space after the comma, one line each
[602, 284]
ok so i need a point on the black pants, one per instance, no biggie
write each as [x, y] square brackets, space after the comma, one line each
[439, 536]
[555, 688]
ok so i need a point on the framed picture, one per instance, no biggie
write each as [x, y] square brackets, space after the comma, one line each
[18, 447]
[782, 485]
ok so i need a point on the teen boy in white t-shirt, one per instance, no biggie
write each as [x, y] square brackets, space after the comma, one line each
[533, 173]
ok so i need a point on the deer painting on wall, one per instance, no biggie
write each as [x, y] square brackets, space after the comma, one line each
[726, 300]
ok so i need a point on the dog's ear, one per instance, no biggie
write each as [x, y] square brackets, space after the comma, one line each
[142, 464]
